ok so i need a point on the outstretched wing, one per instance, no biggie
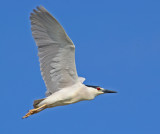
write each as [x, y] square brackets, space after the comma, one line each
[56, 51]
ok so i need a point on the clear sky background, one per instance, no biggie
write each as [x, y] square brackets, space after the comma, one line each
[117, 47]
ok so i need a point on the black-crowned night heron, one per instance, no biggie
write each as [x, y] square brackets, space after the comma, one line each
[56, 54]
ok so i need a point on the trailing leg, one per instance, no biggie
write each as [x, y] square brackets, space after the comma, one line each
[35, 110]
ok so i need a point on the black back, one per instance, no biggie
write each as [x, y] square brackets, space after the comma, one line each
[92, 86]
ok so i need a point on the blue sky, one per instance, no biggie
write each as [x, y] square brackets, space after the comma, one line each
[117, 47]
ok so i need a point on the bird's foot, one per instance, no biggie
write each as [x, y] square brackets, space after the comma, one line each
[34, 111]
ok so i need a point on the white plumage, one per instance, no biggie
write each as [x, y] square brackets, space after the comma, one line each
[56, 53]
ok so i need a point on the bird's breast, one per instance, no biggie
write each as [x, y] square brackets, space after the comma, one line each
[68, 96]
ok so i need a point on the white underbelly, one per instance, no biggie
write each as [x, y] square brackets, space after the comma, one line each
[65, 97]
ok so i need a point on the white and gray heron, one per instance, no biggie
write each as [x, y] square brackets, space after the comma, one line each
[56, 53]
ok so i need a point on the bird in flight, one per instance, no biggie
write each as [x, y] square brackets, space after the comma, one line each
[56, 53]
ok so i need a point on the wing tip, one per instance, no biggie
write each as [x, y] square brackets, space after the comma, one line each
[41, 8]
[37, 10]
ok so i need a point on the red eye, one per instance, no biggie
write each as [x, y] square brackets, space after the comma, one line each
[98, 88]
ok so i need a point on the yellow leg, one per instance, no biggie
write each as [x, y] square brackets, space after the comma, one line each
[36, 110]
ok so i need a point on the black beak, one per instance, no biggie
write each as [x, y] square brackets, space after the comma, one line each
[109, 91]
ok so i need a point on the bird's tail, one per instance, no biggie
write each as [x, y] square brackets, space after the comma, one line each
[36, 102]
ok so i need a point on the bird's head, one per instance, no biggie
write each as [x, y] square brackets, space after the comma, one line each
[98, 90]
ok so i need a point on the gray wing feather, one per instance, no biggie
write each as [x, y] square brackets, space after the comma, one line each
[56, 51]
